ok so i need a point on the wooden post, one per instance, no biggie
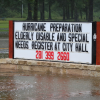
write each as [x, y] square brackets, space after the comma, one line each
[98, 44]
[11, 39]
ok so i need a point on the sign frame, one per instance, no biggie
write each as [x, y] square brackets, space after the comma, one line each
[93, 60]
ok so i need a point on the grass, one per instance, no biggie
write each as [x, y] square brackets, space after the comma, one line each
[15, 19]
[5, 24]
[3, 30]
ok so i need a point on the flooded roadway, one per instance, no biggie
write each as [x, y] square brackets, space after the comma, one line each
[18, 85]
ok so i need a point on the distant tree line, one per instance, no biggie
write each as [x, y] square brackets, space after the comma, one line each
[68, 9]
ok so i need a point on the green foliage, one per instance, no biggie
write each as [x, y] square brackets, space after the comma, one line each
[13, 8]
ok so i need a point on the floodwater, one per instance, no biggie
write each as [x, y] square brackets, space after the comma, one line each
[24, 85]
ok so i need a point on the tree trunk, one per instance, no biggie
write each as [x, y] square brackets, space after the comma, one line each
[49, 10]
[90, 10]
[86, 13]
[76, 12]
[86, 10]
[72, 8]
[63, 13]
[40, 9]
[67, 11]
[81, 13]
[29, 12]
[35, 17]
[63, 8]
[43, 17]
[21, 9]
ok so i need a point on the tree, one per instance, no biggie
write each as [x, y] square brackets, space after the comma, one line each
[41, 8]
[90, 10]
[50, 2]
[72, 9]
[67, 9]
[63, 9]
[76, 11]
[35, 16]
[13, 6]
[43, 17]
[29, 11]
[86, 10]
[62, 5]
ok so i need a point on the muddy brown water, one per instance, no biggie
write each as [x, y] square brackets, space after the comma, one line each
[24, 85]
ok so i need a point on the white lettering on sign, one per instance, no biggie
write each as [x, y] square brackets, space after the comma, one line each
[54, 41]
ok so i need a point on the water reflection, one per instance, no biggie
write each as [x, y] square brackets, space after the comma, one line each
[17, 85]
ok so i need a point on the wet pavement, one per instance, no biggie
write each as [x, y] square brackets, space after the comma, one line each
[24, 85]
[4, 43]
[4, 46]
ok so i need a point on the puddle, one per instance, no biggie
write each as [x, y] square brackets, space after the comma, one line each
[24, 85]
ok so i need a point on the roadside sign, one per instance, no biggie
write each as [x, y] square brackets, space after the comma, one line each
[53, 41]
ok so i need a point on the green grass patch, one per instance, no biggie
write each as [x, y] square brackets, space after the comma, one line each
[4, 25]
[4, 22]
[17, 19]
[3, 30]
